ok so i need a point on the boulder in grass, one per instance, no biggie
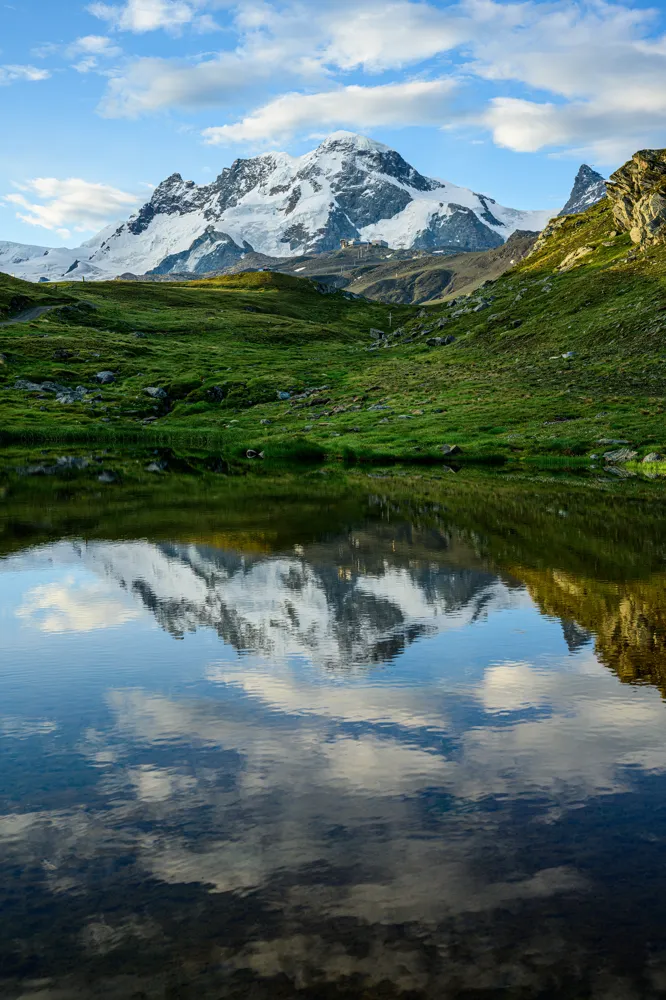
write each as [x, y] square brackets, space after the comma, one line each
[654, 456]
[105, 378]
[451, 449]
[154, 392]
[620, 455]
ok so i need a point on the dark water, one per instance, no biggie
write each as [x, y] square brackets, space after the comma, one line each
[276, 741]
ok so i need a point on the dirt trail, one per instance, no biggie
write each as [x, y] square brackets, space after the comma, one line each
[28, 315]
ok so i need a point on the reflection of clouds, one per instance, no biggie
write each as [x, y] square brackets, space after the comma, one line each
[380, 767]
[75, 606]
[362, 700]
[156, 784]
[25, 729]
[592, 726]
[364, 800]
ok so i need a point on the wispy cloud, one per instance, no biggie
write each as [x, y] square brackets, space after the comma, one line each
[141, 16]
[71, 204]
[13, 74]
[415, 103]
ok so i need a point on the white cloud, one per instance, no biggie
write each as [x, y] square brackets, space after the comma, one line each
[96, 45]
[150, 84]
[607, 75]
[71, 204]
[89, 49]
[389, 36]
[141, 16]
[412, 103]
[13, 74]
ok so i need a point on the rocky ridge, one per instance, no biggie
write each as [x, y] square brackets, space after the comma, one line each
[637, 192]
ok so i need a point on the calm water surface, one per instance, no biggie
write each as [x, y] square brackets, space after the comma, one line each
[258, 747]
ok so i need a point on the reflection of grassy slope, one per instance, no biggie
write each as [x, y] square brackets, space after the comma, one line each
[628, 619]
[503, 388]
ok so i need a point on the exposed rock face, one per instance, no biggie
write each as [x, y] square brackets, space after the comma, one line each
[575, 257]
[589, 188]
[638, 195]
[210, 252]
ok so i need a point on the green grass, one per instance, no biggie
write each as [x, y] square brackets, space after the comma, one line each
[502, 391]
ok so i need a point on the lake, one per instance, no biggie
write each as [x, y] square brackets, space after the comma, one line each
[330, 736]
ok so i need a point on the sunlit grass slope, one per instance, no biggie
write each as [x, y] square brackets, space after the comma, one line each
[558, 356]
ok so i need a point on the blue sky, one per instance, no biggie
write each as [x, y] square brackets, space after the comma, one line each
[101, 100]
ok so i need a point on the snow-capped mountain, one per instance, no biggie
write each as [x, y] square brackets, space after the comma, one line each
[589, 188]
[280, 205]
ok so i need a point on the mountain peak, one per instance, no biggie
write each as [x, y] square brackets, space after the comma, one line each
[351, 141]
[589, 188]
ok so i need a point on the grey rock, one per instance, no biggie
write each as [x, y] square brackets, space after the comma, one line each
[156, 467]
[440, 341]
[451, 449]
[105, 378]
[620, 455]
[251, 453]
[654, 456]
[155, 393]
[265, 421]
[26, 386]
[107, 477]
[72, 395]
[611, 441]
[284, 395]
[377, 334]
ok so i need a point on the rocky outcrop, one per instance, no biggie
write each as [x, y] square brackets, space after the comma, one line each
[637, 192]
[575, 257]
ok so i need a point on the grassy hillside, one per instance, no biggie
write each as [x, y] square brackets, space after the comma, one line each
[391, 276]
[17, 296]
[558, 353]
[435, 277]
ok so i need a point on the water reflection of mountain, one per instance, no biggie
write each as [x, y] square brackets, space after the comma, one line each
[366, 596]
[338, 605]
